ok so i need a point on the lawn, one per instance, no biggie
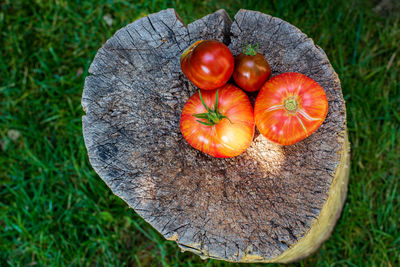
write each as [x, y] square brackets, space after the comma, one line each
[56, 211]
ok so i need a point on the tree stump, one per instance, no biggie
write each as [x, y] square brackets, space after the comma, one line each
[270, 204]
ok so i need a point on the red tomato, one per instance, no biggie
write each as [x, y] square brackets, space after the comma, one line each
[289, 108]
[225, 128]
[251, 69]
[208, 64]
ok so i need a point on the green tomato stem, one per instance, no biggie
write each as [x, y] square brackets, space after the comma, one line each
[212, 117]
[250, 50]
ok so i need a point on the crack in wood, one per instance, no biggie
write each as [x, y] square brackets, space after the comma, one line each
[257, 205]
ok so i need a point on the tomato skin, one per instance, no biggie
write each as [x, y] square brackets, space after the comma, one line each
[227, 138]
[290, 107]
[208, 64]
[251, 72]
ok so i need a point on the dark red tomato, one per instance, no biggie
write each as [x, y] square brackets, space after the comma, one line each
[219, 122]
[208, 64]
[251, 69]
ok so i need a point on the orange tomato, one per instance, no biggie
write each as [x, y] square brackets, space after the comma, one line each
[290, 107]
[218, 122]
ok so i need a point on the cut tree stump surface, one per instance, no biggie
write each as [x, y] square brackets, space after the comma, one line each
[271, 203]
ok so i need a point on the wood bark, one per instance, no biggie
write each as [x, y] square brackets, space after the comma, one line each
[270, 204]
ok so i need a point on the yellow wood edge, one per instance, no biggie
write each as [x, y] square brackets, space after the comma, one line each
[324, 224]
[330, 212]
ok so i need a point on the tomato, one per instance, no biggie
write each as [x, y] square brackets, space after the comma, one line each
[251, 69]
[290, 107]
[208, 64]
[222, 125]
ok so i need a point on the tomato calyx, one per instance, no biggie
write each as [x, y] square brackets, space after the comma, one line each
[291, 104]
[212, 116]
[250, 50]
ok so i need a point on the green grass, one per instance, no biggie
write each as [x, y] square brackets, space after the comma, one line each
[56, 211]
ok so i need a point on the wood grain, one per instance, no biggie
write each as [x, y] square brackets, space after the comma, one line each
[254, 207]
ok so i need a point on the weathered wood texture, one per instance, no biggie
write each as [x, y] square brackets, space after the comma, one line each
[254, 207]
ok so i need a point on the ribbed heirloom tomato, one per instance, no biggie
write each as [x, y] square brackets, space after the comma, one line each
[218, 122]
[208, 64]
[290, 107]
